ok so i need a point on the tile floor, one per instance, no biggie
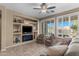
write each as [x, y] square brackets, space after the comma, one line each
[31, 49]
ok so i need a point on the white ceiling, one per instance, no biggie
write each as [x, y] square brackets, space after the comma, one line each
[27, 8]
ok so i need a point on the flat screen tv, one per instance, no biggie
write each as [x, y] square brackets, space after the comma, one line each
[27, 29]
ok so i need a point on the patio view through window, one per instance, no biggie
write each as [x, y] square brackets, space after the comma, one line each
[74, 25]
[65, 27]
[51, 27]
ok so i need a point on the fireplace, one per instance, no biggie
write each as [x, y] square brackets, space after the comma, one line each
[27, 33]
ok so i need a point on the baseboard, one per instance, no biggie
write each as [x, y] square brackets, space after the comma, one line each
[3, 49]
[20, 44]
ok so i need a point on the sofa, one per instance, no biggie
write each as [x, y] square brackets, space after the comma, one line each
[59, 46]
[52, 40]
[65, 50]
[73, 48]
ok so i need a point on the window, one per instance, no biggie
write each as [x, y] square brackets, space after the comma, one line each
[74, 25]
[59, 27]
[51, 27]
[48, 27]
[66, 27]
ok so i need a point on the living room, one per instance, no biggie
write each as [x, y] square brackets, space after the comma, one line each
[39, 29]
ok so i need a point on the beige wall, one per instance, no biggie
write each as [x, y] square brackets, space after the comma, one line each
[3, 28]
[0, 31]
[7, 26]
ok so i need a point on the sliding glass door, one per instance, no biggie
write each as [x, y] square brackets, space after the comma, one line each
[63, 26]
[67, 26]
[45, 27]
[48, 27]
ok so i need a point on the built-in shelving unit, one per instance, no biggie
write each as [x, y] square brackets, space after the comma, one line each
[17, 30]
[18, 34]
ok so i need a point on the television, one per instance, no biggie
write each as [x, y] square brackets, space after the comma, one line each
[27, 29]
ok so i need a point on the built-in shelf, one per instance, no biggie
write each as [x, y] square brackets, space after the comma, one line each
[14, 23]
[17, 31]
[27, 34]
[18, 34]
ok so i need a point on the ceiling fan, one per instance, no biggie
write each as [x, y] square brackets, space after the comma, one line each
[44, 8]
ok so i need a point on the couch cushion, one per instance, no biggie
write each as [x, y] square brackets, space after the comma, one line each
[63, 41]
[40, 39]
[58, 50]
[76, 40]
[73, 50]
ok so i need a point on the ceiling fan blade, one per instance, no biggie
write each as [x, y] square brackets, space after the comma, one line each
[37, 8]
[40, 12]
[51, 7]
[52, 11]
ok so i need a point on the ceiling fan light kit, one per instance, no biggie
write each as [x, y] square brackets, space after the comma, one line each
[43, 11]
[44, 8]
